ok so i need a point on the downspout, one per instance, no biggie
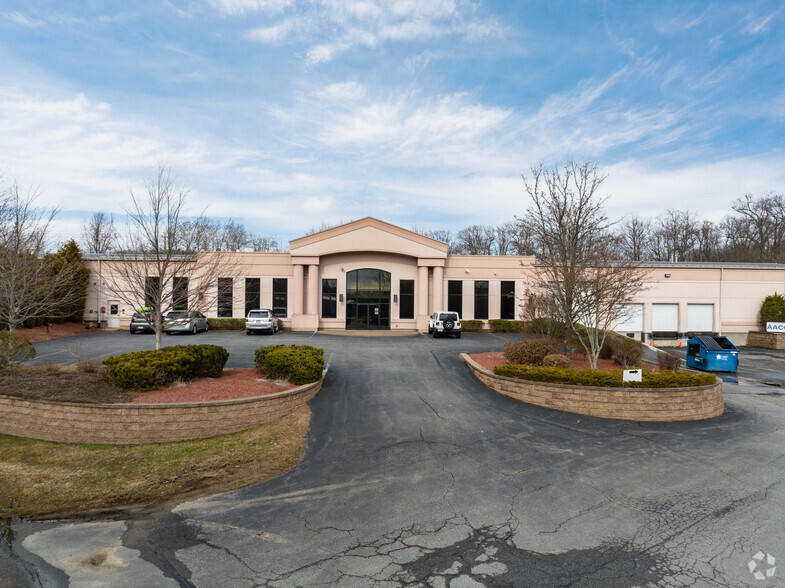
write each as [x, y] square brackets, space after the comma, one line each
[99, 293]
[719, 330]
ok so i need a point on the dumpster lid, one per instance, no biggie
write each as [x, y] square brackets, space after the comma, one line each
[712, 344]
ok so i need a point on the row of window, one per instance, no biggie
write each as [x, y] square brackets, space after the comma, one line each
[330, 297]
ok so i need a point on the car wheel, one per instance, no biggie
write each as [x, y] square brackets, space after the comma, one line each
[457, 335]
[248, 332]
[193, 331]
[434, 334]
[168, 332]
[206, 327]
[430, 331]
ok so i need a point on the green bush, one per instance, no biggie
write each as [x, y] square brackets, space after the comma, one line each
[14, 349]
[300, 364]
[609, 379]
[505, 326]
[556, 360]
[668, 361]
[472, 326]
[627, 353]
[545, 327]
[149, 370]
[773, 309]
[226, 324]
[530, 351]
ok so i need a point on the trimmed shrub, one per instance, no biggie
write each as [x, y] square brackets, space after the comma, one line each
[300, 364]
[668, 361]
[773, 309]
[627, 353]
[280, 324]
[14, 349]
[505, 326]
[556, 360]
[226, 324]
[530, 351]
[472, 326]
[148, 370]
[609, 379]
[545, 327]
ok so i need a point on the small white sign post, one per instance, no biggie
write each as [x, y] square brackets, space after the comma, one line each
[632, 376]
[775, 327]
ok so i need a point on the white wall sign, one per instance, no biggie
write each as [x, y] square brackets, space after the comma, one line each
[632, 376]
[775, 327]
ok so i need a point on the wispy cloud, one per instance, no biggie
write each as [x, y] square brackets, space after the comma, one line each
[330, 27]
[22, 20]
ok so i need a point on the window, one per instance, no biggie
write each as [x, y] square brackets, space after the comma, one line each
[508, 301]
[152, 291]
[225, 302]
[455, 296]
[180, 293]
[252, 297]
[407, 299]
[481, 299]
[280, 297]
[329, 296]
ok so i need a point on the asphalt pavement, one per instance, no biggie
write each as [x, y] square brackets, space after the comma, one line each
[416, 474]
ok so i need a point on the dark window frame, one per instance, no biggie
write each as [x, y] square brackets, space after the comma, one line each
[455, 299]
[507, 306]
[180, 293]
[330, 298]
[225, 298]
[280, 297]
[481, 299]
[406, 299]
[253, 294]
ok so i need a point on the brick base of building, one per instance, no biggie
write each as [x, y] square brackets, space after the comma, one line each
[766, 340]
[634, 404]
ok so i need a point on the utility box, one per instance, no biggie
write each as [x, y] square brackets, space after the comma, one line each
[712, 354]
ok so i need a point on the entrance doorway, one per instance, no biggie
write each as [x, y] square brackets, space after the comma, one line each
[368, 299]
[113, 321]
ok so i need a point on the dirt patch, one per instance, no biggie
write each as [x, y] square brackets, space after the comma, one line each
[63, 384]
[491, 359]
[53, 331]
[234, 383]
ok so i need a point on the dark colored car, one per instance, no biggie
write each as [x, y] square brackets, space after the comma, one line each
[141, 322]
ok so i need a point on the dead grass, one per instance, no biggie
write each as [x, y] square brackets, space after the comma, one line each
[41, 478]
[65, 384]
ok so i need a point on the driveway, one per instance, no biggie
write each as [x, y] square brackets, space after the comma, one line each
[416, 474]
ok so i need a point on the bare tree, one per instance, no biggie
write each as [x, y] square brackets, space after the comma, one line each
[676, 235]
[31, 285]
[260, 243]
[442, 235]
[476, 240]
[579, 269]
[635, 238]
[99, 234]
[709, 246]
[760, 227]
[161, 265]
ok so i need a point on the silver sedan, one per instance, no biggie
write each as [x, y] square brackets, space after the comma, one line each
[185, 321]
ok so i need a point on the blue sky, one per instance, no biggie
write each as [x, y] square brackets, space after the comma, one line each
[285, 115]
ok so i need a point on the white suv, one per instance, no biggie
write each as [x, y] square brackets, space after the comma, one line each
[261, 320]
[444, 323]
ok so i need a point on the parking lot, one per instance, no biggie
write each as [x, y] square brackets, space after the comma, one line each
[416, 473]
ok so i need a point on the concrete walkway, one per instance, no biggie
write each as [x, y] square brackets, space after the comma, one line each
[415, 474]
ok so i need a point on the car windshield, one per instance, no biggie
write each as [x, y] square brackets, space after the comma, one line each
[177, 315]
[139, 317]
[448, 316]
[258, 314]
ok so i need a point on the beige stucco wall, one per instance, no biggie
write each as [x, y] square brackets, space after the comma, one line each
[735, 292]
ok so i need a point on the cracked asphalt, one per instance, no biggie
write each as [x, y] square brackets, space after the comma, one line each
[415, 474]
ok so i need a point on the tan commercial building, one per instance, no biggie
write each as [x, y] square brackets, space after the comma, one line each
[369, 274]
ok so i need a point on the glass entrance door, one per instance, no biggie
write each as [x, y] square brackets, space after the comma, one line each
[368, 299]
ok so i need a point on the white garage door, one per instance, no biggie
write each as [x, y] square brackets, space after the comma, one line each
[664, 318]
[700, 318]
[630, 318]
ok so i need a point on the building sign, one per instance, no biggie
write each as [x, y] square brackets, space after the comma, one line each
[632, 376]
[775, 327]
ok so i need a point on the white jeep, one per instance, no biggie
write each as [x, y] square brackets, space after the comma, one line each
[444, 323]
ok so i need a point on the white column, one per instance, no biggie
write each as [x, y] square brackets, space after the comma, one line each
[298, 289]
[438, 288]
[313, 289]
[422, 289]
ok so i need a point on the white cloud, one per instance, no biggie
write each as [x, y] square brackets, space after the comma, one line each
[23, 20]
[331, 27]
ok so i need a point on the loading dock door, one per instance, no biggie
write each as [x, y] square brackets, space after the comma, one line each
[630, 318]
[665, 320]
[700, 318]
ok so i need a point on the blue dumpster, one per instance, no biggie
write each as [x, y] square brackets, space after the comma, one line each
[712, 354]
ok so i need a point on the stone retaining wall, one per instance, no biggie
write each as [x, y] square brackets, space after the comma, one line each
[73, 422]
[635, 404]
[766, 340]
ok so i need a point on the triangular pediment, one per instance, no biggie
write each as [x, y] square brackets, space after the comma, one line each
[368, 234]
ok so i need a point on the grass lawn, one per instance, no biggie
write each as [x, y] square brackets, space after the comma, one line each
[41, 478]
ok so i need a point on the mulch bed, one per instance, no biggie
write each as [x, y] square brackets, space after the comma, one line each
[491, 359]
[53, 331]
[234, 383]
[66, 384]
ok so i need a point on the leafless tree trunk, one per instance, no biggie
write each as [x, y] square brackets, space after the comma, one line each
[99, 234]
[677, 231]
[476, 240]
[442, 235]
[161, 248]
[30, 286]
[579, 269]
[635, 236]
